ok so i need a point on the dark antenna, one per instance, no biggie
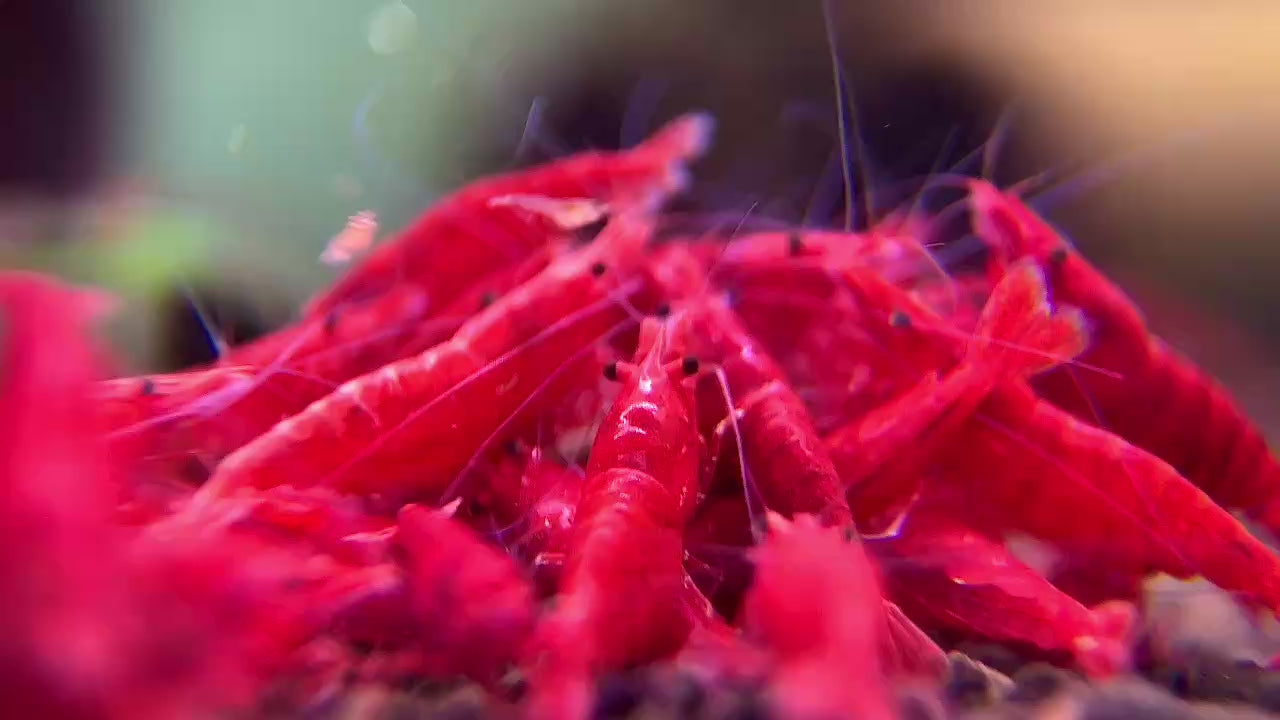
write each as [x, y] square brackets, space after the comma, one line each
[991, 149]
[847, 119]
[217, 343]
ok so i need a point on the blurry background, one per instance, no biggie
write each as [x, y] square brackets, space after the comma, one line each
[212, 147]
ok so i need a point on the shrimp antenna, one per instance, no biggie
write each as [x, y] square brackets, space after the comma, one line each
[819, 197]
[532, 134]
[375, 162]
[755, 504]
[834, 170]
[948, 144]
[913, 210]
[988, 152]
[530, 119]
[847, 122]
[724, 249]
[217, 343]
[1049, 196]
[639, 111]
[995, 143]
[719, 224]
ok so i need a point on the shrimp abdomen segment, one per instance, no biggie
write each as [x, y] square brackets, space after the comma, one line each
[625, 568]
[781, 444]
[371, 434]
[306, 447]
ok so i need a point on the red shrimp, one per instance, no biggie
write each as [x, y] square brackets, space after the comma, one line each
[1154, 391]
[529, 505]
[198, 413]
[1109, 505]
[549, 497]
[719, 537]
[247, 602]
[1014, 432]
[624, 598]
[471, 605]
[815, 604]
[888, 251]
[1016, 336]
[60, 561]
[445, 405]
[834, 344]
[464, 234]
[952, 576]
[896, 255]
[210, 412]
[331, 523]
[94, 628]
[785, 458]
[784, 454]
[815, 334]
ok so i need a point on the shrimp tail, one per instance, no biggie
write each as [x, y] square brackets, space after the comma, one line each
[1108, 650]
[1019, 333]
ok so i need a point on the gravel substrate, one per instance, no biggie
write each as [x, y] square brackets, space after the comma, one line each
[1199, 655]
[1204, 688]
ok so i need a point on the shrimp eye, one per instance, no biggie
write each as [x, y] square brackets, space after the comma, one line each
[795, 244]
[689, 366]
[148, 387]
[513, 447]
[1057, 257]
[598, 269]
[662, 310]
[331, 322]
[488, 299]
[899, 319]
[611, 371]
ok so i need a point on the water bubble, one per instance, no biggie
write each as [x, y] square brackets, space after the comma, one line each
[235, 144]
[392, 28]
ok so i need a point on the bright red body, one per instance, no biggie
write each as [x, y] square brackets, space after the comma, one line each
[624, 593]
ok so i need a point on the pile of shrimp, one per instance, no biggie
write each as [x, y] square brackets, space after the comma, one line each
[538, 434]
